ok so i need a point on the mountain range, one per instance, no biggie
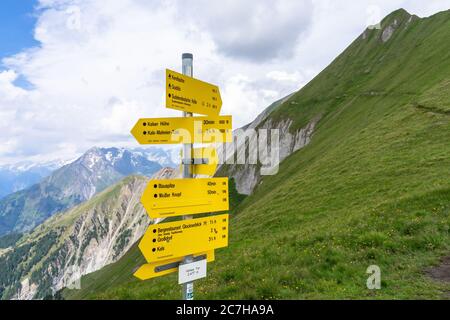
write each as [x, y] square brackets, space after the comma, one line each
[19, 176]
[75, 242]
[75, 183]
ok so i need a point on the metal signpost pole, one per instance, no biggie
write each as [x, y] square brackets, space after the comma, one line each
[187, 61]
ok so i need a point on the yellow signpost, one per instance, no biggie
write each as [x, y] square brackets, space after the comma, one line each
[177, 197]
[183, 130]
[181, 238]
[186, 245]
[158, 269]
[191, 95]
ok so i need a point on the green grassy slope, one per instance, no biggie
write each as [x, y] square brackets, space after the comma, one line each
[372, 188]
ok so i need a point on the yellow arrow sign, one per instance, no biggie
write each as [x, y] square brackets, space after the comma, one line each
[162, 268]
[181, 238]
[183, 130]
[177, 197]
[191, 95]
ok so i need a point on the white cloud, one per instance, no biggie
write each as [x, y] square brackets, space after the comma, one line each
[253, 30]
[8, 90]
[100, 67]
[285, 76]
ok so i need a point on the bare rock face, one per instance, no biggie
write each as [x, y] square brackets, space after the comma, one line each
[387, 33]
[247, 175]
[27, 290]
[364, 35]
[246, 178]
[402, 21]
[167, 173]
[303, 137]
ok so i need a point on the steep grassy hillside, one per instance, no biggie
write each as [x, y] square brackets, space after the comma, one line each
[372, 187]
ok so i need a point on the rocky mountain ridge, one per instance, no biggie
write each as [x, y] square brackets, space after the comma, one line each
[77, 242]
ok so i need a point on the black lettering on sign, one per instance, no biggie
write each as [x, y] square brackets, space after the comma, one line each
[176, 78]
[181, 99]
[164, 195]
[165, 239]
[166, 186]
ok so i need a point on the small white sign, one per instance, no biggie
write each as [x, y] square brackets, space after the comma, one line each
[192, 271]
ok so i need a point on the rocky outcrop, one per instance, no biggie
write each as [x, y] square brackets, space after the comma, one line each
[387, 28]
[27, 291]
[167, 173]
[247, 175]
[389, 31]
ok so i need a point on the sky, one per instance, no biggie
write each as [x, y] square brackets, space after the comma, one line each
[79, 73]
[17, 21]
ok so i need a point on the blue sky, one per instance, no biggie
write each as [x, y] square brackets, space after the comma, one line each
[16, 26]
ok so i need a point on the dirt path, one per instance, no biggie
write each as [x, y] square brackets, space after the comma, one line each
[441, 272]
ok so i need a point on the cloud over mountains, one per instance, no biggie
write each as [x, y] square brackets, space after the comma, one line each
[99, 67]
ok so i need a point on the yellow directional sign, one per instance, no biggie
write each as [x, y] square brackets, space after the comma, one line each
[181, 238]
[177, 197]
[191, 95]
[162, 268]
[183, 130]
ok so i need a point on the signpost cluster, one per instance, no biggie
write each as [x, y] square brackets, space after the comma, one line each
[186, 245]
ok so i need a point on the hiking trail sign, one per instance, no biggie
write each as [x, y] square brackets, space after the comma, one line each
[187, 94]
[183, 130]
[177, 197]
[162, 268]
[181, 238]
[186, 245]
